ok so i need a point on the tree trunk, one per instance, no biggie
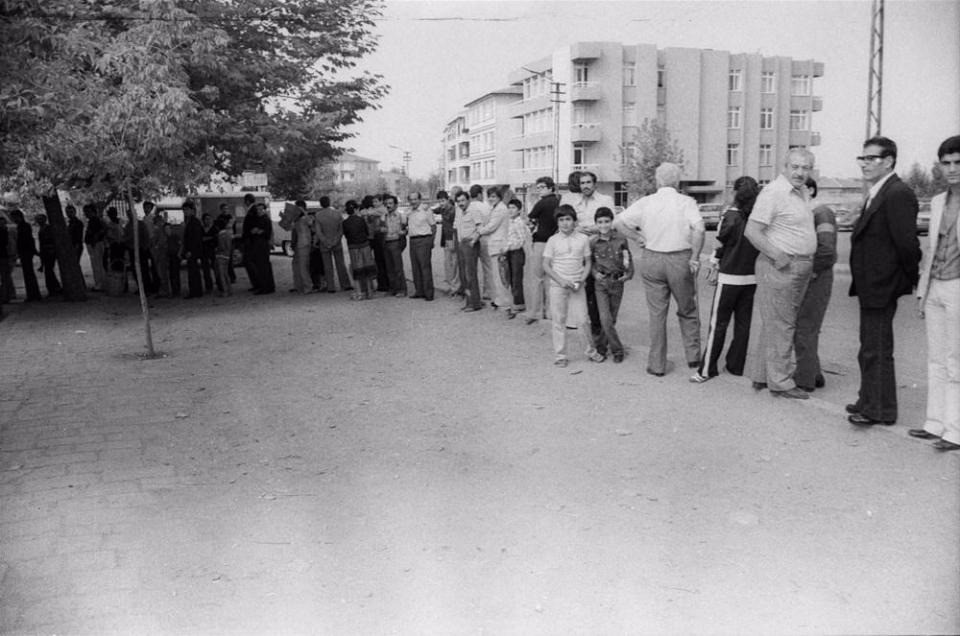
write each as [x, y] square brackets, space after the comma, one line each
[71, 276]
[144, 307]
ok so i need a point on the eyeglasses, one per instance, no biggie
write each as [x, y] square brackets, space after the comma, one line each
[870, 158]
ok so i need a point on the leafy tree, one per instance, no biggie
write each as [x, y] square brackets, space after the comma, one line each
[918, 179]
[155, 96]
[650, 146]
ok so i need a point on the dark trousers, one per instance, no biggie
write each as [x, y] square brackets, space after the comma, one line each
[261, 259]
[49, 264]
[30, 284]
[729, 301]
[878, 382]
[596, 329]
[150, 285]
[609, 293]
[173, 270]
[316, 268]
[250, 265]
[208, 268]
[421, 248]
[470, 255]
[7, 292]
[511, 274]
[194, 280]
[332, 263]
[380, 258]
[393, 254]
[806, 339]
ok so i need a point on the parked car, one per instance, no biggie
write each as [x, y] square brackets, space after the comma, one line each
[923, 218]
[846, 218]
[710, 213]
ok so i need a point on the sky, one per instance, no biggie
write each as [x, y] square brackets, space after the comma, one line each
[436, 56]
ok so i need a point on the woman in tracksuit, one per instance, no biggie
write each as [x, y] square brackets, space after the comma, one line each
[736, 285]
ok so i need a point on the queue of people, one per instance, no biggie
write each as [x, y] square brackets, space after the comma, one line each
[567, 259]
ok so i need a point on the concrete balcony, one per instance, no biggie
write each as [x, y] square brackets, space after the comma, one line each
[816, 104]
[585, 51]
[521, 108]
[586, 133]
[804, 138]
[585, 92]
[532, 140]
[818, 69]
[814, 138]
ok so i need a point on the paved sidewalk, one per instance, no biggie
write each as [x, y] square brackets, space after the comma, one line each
[311, 464]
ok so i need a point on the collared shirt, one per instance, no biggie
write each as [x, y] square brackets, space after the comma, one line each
[875, 188]
[568, 254]
[518, 234]
[611, 255]
[946, 258]
[494, 232]
[393, 223]
[470, 220]
[587, 207]
[420, 221]
[666, 220]
[784, 211]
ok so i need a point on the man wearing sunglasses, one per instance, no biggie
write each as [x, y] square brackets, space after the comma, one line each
[885, 264]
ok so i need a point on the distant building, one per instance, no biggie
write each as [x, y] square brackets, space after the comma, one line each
[731, 114]
[350, 167]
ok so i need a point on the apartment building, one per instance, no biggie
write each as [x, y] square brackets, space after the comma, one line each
[730, 114]
[350, 167]
[477, 141]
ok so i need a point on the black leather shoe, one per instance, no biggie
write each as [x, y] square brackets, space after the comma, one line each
[819, 381]
[759, 386]
[922, 434]
[862, 420]
[808, 389]
[852, 408]
[944, 445]
[652, 372]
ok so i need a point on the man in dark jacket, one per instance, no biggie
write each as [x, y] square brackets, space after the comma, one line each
[545, 226]
[26, 251]
[885, 264]
[191, 249]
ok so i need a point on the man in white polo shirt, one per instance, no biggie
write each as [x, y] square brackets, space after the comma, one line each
[781, 228]
[668, 226]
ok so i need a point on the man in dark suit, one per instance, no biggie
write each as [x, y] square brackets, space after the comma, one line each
[191, 250]
[885, 264]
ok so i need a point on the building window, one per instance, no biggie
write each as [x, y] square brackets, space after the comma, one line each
[579, 114]
[733, 117]
[579, 155]
[733, 154]
[768, 82]
[620, 194]
[629, 74]
[629, 113]
[766, 119]
[489, 169]
[661, 77]
[799, 120]
[581, 74]
[763, 182]
[475, 169]
[766, 155]
[734, 80]
[800, 85]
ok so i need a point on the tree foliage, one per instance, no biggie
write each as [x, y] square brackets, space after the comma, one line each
[925, 184]
[650, 146]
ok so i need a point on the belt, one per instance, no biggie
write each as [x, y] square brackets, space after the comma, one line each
[801, 257]
[422, 236]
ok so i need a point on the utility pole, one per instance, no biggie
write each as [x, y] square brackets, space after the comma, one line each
[556, 98]
[875, 83]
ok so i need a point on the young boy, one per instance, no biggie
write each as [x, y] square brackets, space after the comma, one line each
[612, 265]
[513, 259]
[566, 262]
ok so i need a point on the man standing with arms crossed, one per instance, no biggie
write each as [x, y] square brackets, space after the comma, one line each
[781, 228]
[884, 264]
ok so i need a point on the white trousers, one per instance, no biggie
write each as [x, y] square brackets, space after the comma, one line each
[942, 311]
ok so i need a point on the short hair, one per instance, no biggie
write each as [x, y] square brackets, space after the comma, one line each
[547, 181]
[324, 201]
[802, 151]
[205, 215]
[386, 197]
[950, 146]
[461, 194]
[668, 174]
[573, 182]
[442, 195]
[888, 147]
[248, 198]
[476, 190]
[587, 173]
[300, 203]
[415, 194]
[745, 191]
[147, 206]
[603, 212]
[70, 208]
[565, 210]
[517, 203]
[350, 207]
[366, 201]
[494, 191]
[812, 184]
[189, 205]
